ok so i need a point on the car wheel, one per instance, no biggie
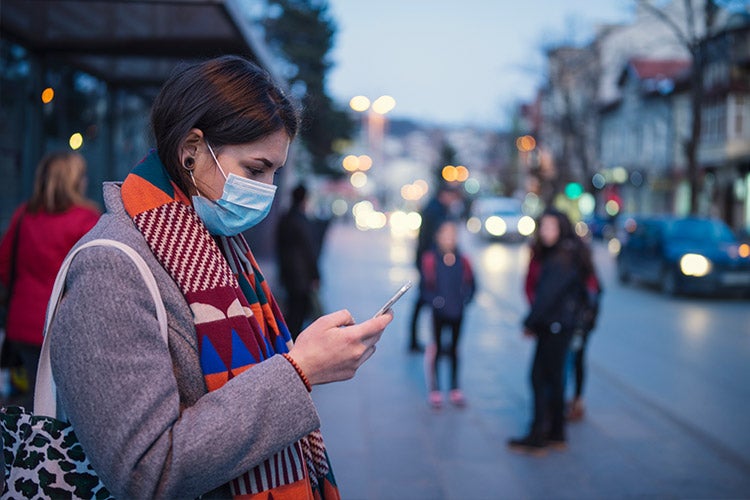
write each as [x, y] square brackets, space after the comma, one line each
[669, 282]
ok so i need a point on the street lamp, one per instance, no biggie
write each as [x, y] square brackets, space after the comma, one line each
[374, 123]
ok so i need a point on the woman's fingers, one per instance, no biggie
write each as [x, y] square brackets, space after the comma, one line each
[339, 318]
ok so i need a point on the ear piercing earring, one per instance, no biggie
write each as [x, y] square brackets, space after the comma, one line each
[189, 164]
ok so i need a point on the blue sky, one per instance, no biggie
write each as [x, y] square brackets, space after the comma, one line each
[455, 62]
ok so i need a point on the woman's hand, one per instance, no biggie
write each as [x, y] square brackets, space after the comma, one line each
[333, 347]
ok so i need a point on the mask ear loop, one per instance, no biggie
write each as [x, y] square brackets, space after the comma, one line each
[210, 150]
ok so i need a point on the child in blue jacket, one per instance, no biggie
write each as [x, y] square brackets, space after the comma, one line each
[449, 287]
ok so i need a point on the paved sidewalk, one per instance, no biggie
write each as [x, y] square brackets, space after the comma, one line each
[386, 443]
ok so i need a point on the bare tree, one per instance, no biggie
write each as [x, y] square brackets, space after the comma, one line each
[691, 33]
[570, 116]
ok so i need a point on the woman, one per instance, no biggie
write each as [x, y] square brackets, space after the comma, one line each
[41, 232]
[225, 407]
[555, 287]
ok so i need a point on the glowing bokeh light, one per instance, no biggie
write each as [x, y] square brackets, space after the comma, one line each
[383, 104]
[526, 225]
[471, 186]
[614, 246]
[359, 103]
[358, 179]
[462, 173]
[612, 207]
[364, 162]
[598, 181]
[495, 225]
[339, 207]
[414, 220]
[350, 163]
[449, 173]
[586, 204]
[693, 264]
[47, 95]
[526, 143]
[75, 141]
[474, 225]
[619, 175]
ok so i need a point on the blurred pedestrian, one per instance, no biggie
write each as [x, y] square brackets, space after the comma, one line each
[449, 286]
[41, 232]
[585, 324]
[225, 409]
[555, 287]
[446, 203]
[297, 257]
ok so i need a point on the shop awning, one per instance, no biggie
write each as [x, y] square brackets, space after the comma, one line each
[131, 43]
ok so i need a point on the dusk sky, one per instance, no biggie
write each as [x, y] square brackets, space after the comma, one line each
[455, 62]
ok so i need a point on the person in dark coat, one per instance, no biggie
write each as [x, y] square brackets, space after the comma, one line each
[298, 261]
[559, 266]
[435, 212]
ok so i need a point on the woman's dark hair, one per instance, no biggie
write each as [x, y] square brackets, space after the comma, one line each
[568, 242]
[232, 100]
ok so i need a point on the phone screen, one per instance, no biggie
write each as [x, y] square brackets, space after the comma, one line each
[401, 291]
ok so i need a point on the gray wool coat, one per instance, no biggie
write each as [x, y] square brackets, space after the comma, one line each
[139, 407]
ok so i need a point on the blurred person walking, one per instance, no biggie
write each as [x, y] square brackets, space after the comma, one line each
[439, 208]
[449, 285]
[555, 286]
[297, 257]
[40, 234]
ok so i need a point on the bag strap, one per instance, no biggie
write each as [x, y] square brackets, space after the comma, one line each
[45, 392]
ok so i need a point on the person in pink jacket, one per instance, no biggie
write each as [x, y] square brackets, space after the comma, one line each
[40, 234]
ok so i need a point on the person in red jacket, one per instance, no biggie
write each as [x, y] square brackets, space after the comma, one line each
[39, 236]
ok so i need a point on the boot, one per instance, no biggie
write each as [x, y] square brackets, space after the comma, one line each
[532, 444]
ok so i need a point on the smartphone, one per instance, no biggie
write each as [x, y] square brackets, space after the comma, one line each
[393, 299]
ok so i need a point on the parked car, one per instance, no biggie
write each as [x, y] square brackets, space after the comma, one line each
[501, 218]
[601, 227]
[684, 255]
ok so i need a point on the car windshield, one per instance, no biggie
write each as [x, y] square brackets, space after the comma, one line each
[498, 206]
[701, 230]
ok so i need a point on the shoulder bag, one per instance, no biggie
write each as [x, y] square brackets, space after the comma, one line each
[42, 457]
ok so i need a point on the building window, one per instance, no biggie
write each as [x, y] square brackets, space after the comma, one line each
[740, 112]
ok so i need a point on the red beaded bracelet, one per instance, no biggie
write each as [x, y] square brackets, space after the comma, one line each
[299, 371]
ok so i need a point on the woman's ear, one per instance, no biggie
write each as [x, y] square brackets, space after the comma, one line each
[189, 147]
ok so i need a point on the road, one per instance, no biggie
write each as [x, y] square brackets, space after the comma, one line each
[667, 400]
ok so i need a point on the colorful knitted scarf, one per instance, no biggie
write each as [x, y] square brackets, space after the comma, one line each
[237, 321]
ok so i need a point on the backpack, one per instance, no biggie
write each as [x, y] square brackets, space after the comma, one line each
[588, 308]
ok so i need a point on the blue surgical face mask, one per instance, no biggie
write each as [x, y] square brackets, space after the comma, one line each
[243, 204]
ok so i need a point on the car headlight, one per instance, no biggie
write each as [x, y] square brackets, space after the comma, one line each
[495, 225]
[693, 264]
[526, 225]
